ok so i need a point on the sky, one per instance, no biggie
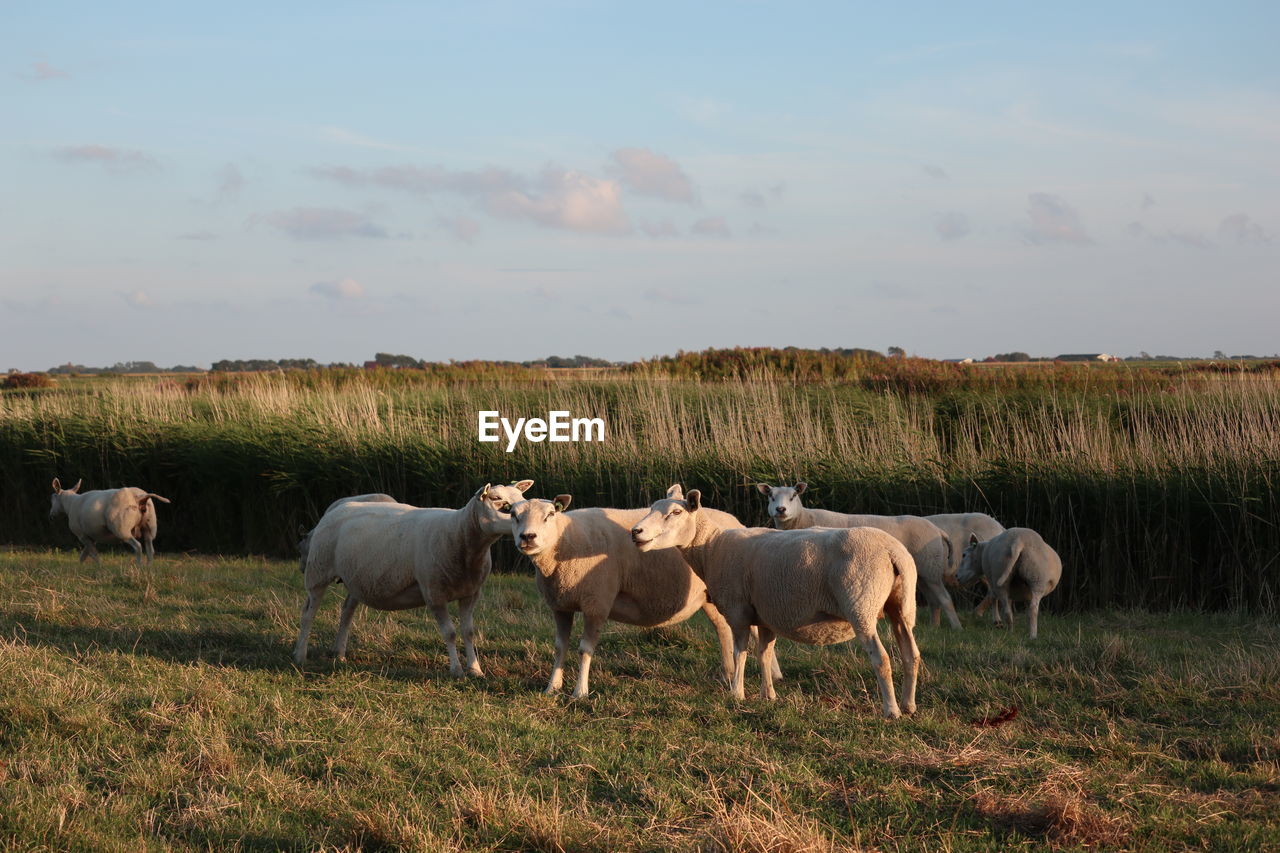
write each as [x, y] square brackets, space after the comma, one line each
[184, 183]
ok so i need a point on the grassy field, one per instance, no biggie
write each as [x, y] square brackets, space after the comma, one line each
[159, 708]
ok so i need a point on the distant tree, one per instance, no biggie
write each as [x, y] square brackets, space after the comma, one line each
[1219, 354]
[1011, 356]
[386, 359]
[26, 380]
[896, 352]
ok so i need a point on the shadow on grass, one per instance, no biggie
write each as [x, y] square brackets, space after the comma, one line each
[251, 651]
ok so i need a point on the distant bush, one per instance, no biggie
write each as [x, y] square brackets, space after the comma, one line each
[26, 380]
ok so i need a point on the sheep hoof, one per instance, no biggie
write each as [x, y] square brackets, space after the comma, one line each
[476, 672]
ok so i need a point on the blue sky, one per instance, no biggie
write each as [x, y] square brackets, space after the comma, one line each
[512, 180]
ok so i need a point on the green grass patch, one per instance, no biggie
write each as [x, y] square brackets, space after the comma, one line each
[159, 709]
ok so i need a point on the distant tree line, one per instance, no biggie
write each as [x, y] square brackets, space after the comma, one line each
[122, 367]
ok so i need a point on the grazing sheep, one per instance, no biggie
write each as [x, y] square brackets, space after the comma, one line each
[393, 556]
[930, 547]
[586, 563]
[1016, 564]
[304, 544]
[817, 586]
[958, 526]
[125, 515]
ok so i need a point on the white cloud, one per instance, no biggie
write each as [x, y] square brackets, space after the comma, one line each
[652, 174]
[564, 199]
[1240, 228]
[1054, 221]
[137, 298]
[711, 226]
[315, 223]
[342, 289]
[45, 71]
[557, 198]
[113, 159]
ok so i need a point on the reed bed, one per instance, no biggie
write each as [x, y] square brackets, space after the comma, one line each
[1159, 494]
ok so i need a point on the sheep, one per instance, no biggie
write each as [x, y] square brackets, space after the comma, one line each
[392, 556]
[1016, 563]
[958, 526]
[816, 586]
[930, 547]
[125, 515]
[585, 563]
[304, 543]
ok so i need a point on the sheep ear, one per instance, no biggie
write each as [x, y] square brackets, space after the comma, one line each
[562, 502]
[800, 487]
[76, 487]
[485, 491]
[57, 484]
[973, 539]
[676, 492]
[693, 499]
[764, 489]
[522, 485]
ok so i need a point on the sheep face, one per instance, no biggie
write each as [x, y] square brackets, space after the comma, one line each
[534, 524]
[784, 501]
[970, 562]
[55, 501]
[495, 502]
[669, 524]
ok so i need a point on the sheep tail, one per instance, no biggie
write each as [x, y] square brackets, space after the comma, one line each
[154, 497]
[1007, 574]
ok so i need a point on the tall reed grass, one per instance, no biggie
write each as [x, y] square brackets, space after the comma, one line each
[1157, 495]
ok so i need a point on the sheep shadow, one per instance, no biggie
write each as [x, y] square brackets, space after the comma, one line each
[239, 649]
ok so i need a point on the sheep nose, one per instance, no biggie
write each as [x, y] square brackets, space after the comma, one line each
[780, 511]
[528, 537]
[636, 532]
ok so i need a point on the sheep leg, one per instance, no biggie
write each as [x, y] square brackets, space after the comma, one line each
[985, 604]
[449, 635]
[309, 608]
[766, 637]
[741, 641]
[466, 607]
[772, 661]
[88, 550]
[591, 625]
[725, 635]
[564, 625]
[941, 600]
[1033, 612]
[137, 549]
[1003, 604]
[879, 658]
[150, 546]
[345, 617]
[909, 653]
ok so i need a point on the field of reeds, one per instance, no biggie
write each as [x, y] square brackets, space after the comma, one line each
[1158, 488]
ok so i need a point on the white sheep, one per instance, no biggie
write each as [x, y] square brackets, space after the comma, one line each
[959, 526]
[585, 563]
[304, 544]
[393, 556]
[1017, 563]
[125, 515]
[817, 586]
[930, 547]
